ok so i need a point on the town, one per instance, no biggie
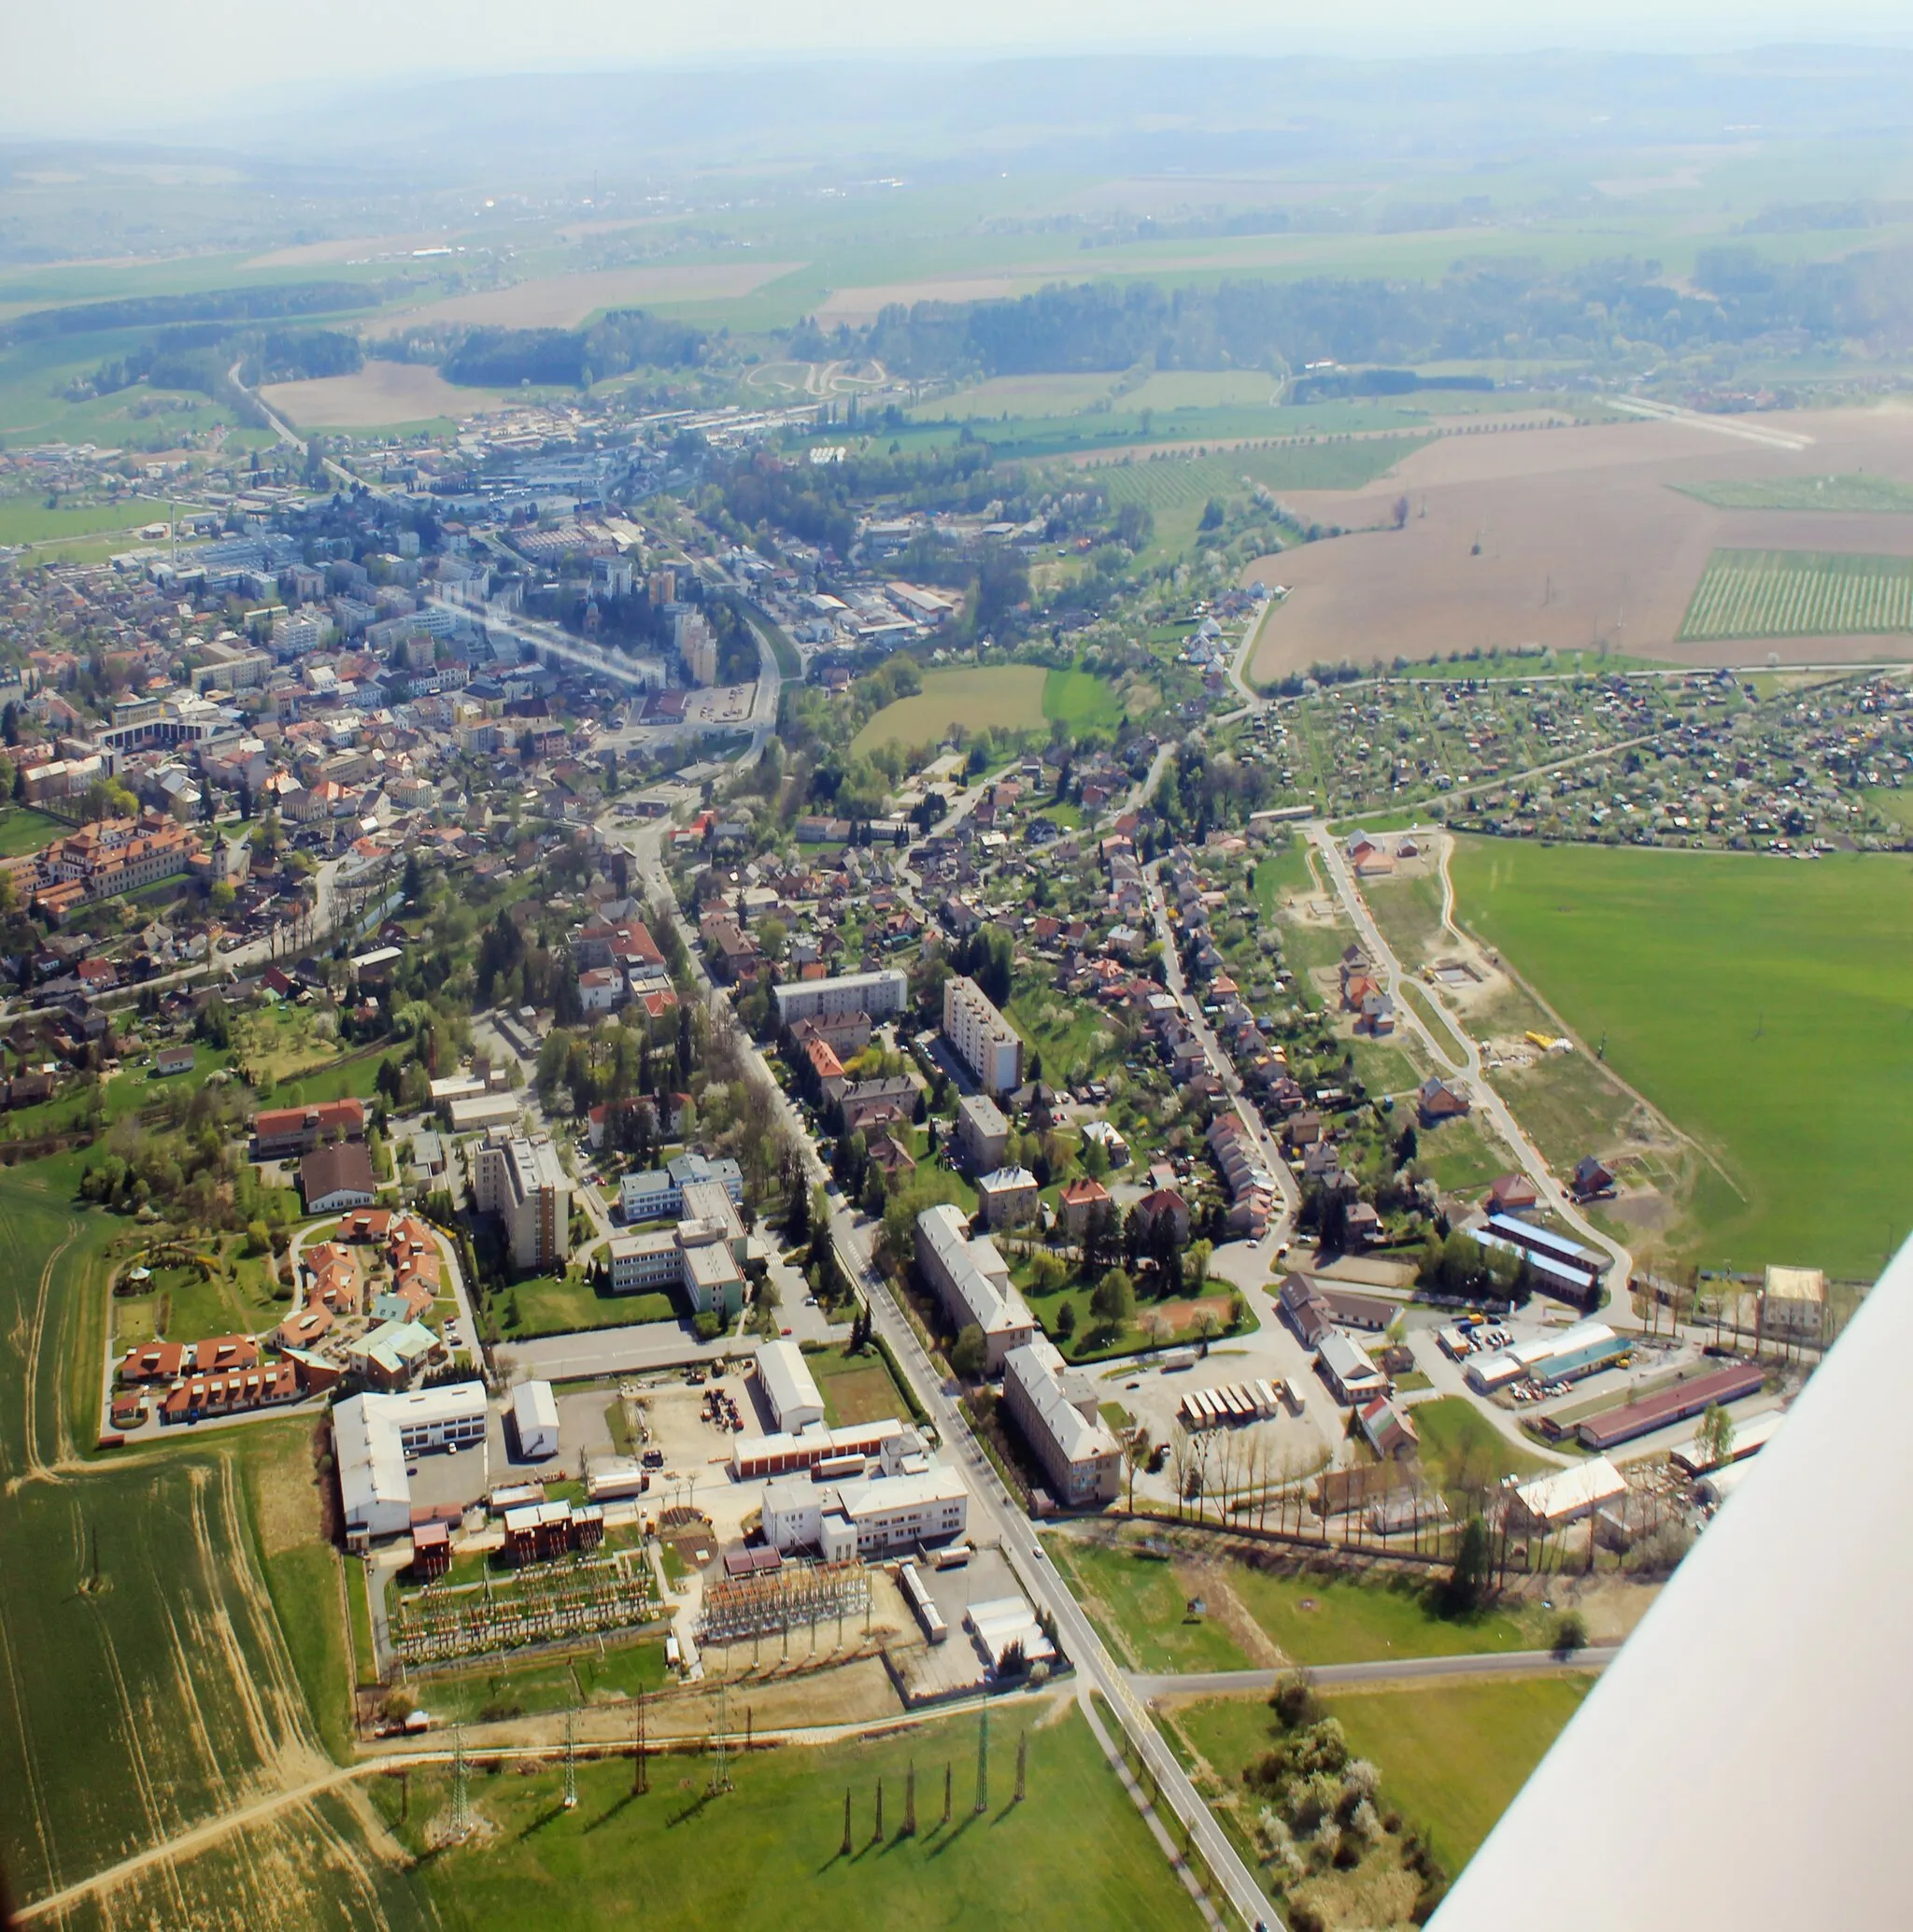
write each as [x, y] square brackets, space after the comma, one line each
[814, 1083]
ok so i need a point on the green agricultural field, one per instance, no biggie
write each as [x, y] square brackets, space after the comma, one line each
[28, 520]
[1851, 493]
[1761, 1005]
[997, 697]
[1800, 593]
[768, 1852]
[133, 1589]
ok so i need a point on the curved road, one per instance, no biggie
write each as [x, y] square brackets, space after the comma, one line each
[1470, 1064]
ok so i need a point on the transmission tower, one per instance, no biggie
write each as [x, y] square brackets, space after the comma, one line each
[877, 1833]
[462, 1798]
[640, 1782]
[910, 1801]
[570, 1760]
[1022, 1762]
[720, 1772]
[983, 1762]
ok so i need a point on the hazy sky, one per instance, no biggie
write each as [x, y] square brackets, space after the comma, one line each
[107, 65]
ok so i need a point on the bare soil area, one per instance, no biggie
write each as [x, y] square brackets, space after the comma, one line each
[1570, 539]
[374, 395]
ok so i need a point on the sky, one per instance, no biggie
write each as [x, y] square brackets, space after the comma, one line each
[98, 67]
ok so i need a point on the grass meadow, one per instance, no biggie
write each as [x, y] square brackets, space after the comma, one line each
[1452, 1756]
[1001, 697]
[1311, 1614]
[1851, 493]
[769, 1851]
[1764, 1007]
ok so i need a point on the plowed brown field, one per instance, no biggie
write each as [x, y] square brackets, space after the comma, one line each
[1571, 539]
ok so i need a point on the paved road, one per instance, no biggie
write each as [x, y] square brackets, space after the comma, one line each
[1467, 1062]
[1512, 1663]
[999, 1512]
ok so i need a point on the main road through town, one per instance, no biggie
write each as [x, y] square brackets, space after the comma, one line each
[1012, 1528]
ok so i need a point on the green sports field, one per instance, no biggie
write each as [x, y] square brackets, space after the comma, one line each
[1764, 1007]
[1800, 593]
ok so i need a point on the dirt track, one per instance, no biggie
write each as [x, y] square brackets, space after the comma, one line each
[1581, 543]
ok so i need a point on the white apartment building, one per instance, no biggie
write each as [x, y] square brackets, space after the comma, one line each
[522, 1181]
[973, 1281]
[1056, 1412]
[981, 1037]
[872, 993]
[697, 645]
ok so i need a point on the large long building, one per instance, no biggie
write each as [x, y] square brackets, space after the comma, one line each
[375, 1436]
[876, 994]
[868, 1516]
[973, 1281]
[1056, 1412]
[522, 1182]
[981, 1037]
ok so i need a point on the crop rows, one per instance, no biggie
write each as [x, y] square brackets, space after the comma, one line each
[474, 1620]
[1800, 593]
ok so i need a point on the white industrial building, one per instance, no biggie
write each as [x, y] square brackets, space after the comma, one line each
[659, 1192]
[876, 994]
[973, 1282]
[1056, 1410]
[1565, 1496]
[788, 1386]
[867, 1516]
[522, 1181]
[375, 1436]
[534, 1414]
[981, 1037]
[703, 1255]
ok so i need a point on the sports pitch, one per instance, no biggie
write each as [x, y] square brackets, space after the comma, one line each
[1764, 1007]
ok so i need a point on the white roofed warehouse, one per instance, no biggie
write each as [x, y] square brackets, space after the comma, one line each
[374, 1436]
[788, 1386]
[534, 1415]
